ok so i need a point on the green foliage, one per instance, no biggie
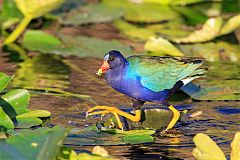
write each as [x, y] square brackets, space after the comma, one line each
[42, 143]
[79, 46]
[147, 13]
[161, 46]
[4, 80]
[93, 13]
[206, 148]
[137, 139]
[210, 30]
[9, 14]
[232, 24]
[14, 112]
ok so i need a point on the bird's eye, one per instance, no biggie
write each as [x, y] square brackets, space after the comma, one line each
[111, 59]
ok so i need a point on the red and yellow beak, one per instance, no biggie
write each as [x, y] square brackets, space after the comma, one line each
[105, 66]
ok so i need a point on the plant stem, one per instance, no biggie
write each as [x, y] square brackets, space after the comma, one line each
[20, 28]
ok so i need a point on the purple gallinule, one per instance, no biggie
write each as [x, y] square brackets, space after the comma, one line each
[146, 78]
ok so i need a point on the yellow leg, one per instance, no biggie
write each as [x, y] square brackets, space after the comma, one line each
[176, 115]
[116, 112]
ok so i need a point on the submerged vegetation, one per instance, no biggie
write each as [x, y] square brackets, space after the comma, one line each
[49, 43]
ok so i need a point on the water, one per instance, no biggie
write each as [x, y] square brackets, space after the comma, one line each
[220, 119]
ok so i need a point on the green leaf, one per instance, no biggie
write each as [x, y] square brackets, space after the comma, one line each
[188, 2]
[161, 45]
[42, 143]
[38, 40]
[143, 12]
[235, 154]
[206, 148]
[93, 13]
[27, 122]
[213, 51]
[133, 31]
[137, 139]
[80, 46]
[209, 31]
[193, 17]
[15, 102]
[85, 156]
[4, 80]
[5, 121]
[35, 113]
[232, 24]
[10, 14]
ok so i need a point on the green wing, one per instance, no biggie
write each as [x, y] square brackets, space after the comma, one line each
[159, 73]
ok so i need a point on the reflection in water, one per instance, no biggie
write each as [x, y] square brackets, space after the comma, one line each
[46, 71]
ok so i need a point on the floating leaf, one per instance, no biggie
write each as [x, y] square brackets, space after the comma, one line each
[36, 8]
[232, 24]
[10, 14]
[93, 13]
[209, 31]
[85, 156]
[39, 40]
[4, 80]
[235, 154]
[27, 122]
[79, 46]
[137, 139]
[5, 121]
[213, 51]
[144, 12]
[171, 29]
[193, 17]
[161, 45]
[188, 2]
[133, 31]
[206, 148]
[93, 136]
[42, 143]
[35, 113]
[15, 102]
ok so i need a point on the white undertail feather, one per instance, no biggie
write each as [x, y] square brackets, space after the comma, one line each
[187, 80]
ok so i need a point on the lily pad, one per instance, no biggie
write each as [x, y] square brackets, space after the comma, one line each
[137, 139]
[193, 17]
[4, 80]
[209, 31]
[94, 136]
[143, 12]
[26, 122]
[5, 120]
[35, 113]
[133, 31]
[80, 46]
[161, 45]
[38, 40]
[235, 154]
[206, 148]
[213, 51]
[10, 14]
[42, 143]
[15, 102]
[93, 13]
[232, 24]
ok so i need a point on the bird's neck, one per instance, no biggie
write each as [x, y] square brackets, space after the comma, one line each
[114, 76]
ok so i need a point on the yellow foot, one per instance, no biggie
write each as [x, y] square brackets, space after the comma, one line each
[103, 110]
[176, 115]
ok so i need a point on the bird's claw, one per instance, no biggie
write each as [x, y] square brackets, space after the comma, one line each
[103, 110]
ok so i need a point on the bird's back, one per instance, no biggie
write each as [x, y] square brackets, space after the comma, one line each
[160, 73]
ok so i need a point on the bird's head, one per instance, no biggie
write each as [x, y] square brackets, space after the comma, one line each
[112, 60]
